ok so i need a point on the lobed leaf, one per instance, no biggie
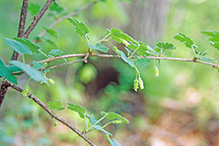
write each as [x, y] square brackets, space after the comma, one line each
[184, 39]
[124, 58]
[214, 38]
[55, 7]
[77, 108]
[143, 62]
[51, 32]
[165, 45]
[5, 72]
[34, 8]
[33, 47]
[112, 115]
[93, 120]
[55, 52]
[100, 47]
[18, 47]
[32, 72]
[57, 105]
[80, 27]
[38, 65]
[119, 36]
[112, 142]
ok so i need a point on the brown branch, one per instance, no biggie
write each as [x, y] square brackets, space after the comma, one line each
[21, 25]
[39, 102]
[37, 18]
[4, 86]
[66, 16]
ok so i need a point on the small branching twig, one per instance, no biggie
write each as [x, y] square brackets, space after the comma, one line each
[39, 102]
[37, 18]
[65, 17]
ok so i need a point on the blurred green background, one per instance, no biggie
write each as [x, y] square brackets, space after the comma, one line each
[183, 92]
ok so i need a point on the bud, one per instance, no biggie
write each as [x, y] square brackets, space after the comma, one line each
[135, 85]
[141, 83]
[125, 42]
[156, 71]
[51, 81]
[25, 91]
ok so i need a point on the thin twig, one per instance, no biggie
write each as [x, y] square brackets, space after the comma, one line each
[66, 16]
[39, 102]
[37, 18]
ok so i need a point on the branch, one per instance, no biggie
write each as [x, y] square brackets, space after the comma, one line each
[116, 56]
[21, 25]
[37, 18]
[39, 102]
[66, 16]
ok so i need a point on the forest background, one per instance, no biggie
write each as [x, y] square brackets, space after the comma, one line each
[180, 106]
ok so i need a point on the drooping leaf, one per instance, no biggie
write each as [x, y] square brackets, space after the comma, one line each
[5, 72]
[100, 47]
[34, 8]
[185, 39]
[112, 116]
[32, 72]
[52, 32]
[57, 105]
[93, 120]
[112, 142]
[214, 38]
[101, 129]
[143, 62]
[18, 47]
[124, 58]
[55, 7]
[77, 108]
[33, 47]
[80, 27]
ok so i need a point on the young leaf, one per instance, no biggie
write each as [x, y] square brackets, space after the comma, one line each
[77, 108]
[38, 65]
[112, 115]
[50, 31]
[33, 47]
[18, 47]
[32, 72]
[5, 72]
[57, 105]
[214, 38]
[93, 120]
[165, 45]
[124, 58]
[34, 8]
[143, 62]
[101, 129]
[80, 27]
[185, 39]
[100, 47]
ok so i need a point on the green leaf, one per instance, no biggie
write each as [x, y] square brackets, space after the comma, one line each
[80, 27]
[117, 35]
[34, 8]
[33, 47]
[52, 43]
[214, 38]
[165, 45]
[93, 120]
[5, 72]
[57, 105]
[207, 59]
[112, 142]
[18, 47]
[77, 108]
[124, 58]
[56, 7]
[32, 72]
[38, 65]
[112, 115]
[55, 52]
[185, 39]
[143, 62]
[50, 31]
[101, 129]
[100, 47]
